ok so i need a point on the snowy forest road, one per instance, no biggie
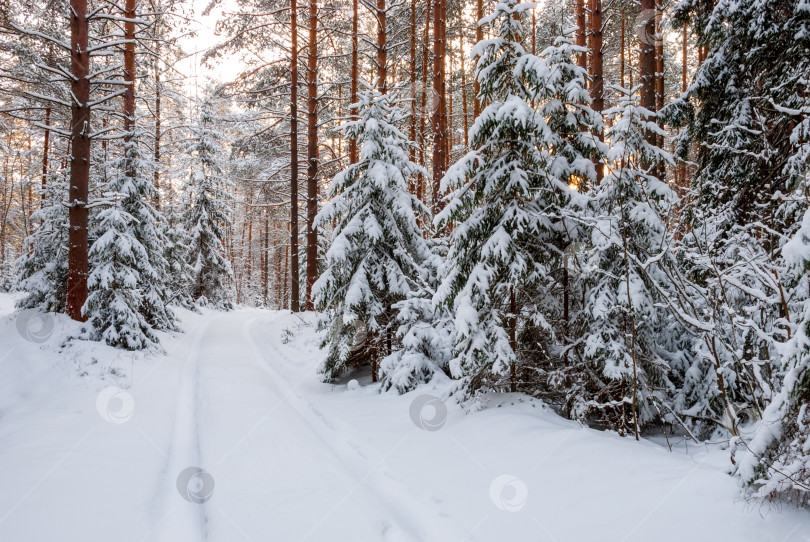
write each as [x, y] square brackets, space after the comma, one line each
[262, 443]
[230, 436]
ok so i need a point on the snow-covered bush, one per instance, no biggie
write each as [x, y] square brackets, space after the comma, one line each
[776, 464]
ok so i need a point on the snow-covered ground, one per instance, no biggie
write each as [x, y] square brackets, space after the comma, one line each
[96, 445]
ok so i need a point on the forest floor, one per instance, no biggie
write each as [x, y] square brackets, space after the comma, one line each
[95, 445]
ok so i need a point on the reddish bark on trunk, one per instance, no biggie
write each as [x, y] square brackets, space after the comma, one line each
[294, 266]
[45, 150]
[582, 58]
[479, 35]
[597, 69]
[382, 52]
[439, 122]
[355, 77]
[79, 162]
[312, 153]
[647, 54]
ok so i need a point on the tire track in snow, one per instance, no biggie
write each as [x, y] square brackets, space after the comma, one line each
[413, 517]
[183, 521]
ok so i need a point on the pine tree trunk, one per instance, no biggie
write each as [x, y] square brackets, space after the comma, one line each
[338, 121]
[659, 63]
[621, 49]
[439, 122]
[582, 58]
[284, 260]
[659, 82]
[46, 141]
[158, 127]
[382, 51]
[279, 281]
[597, 69]
[79, 161]
[449, 146]
[265, 259]
[312, 153]
[30, 190]
[243, 267]
[597, 64]
[681, 169]
[684, 53]
[45, 151]
[464, 96]
[479, 35]
[129, 78]
[355, 77]
[295, 296]
[412, 182]
[630, 57]
[647, 55]
[420, 180]
[249, 263]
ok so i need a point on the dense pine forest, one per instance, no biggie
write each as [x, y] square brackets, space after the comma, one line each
[603, 206]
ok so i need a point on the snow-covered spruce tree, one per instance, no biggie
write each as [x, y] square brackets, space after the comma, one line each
[133, 249]
[42, 267]
[116, 260]
[776, 464]
[426, 332]
[623, 319]
[180, 271]
[207, 213]
[511, 199]
[377, 252]
[149, 228]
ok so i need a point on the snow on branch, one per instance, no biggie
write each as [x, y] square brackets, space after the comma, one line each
[58, 70]
[106, 17]
[96, 135]
[46, 98]
[107, 97]
[57, 131]
[102, 46]
[105, 70]
[41, 35]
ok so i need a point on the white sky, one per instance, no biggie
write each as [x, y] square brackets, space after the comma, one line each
[224, 70]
